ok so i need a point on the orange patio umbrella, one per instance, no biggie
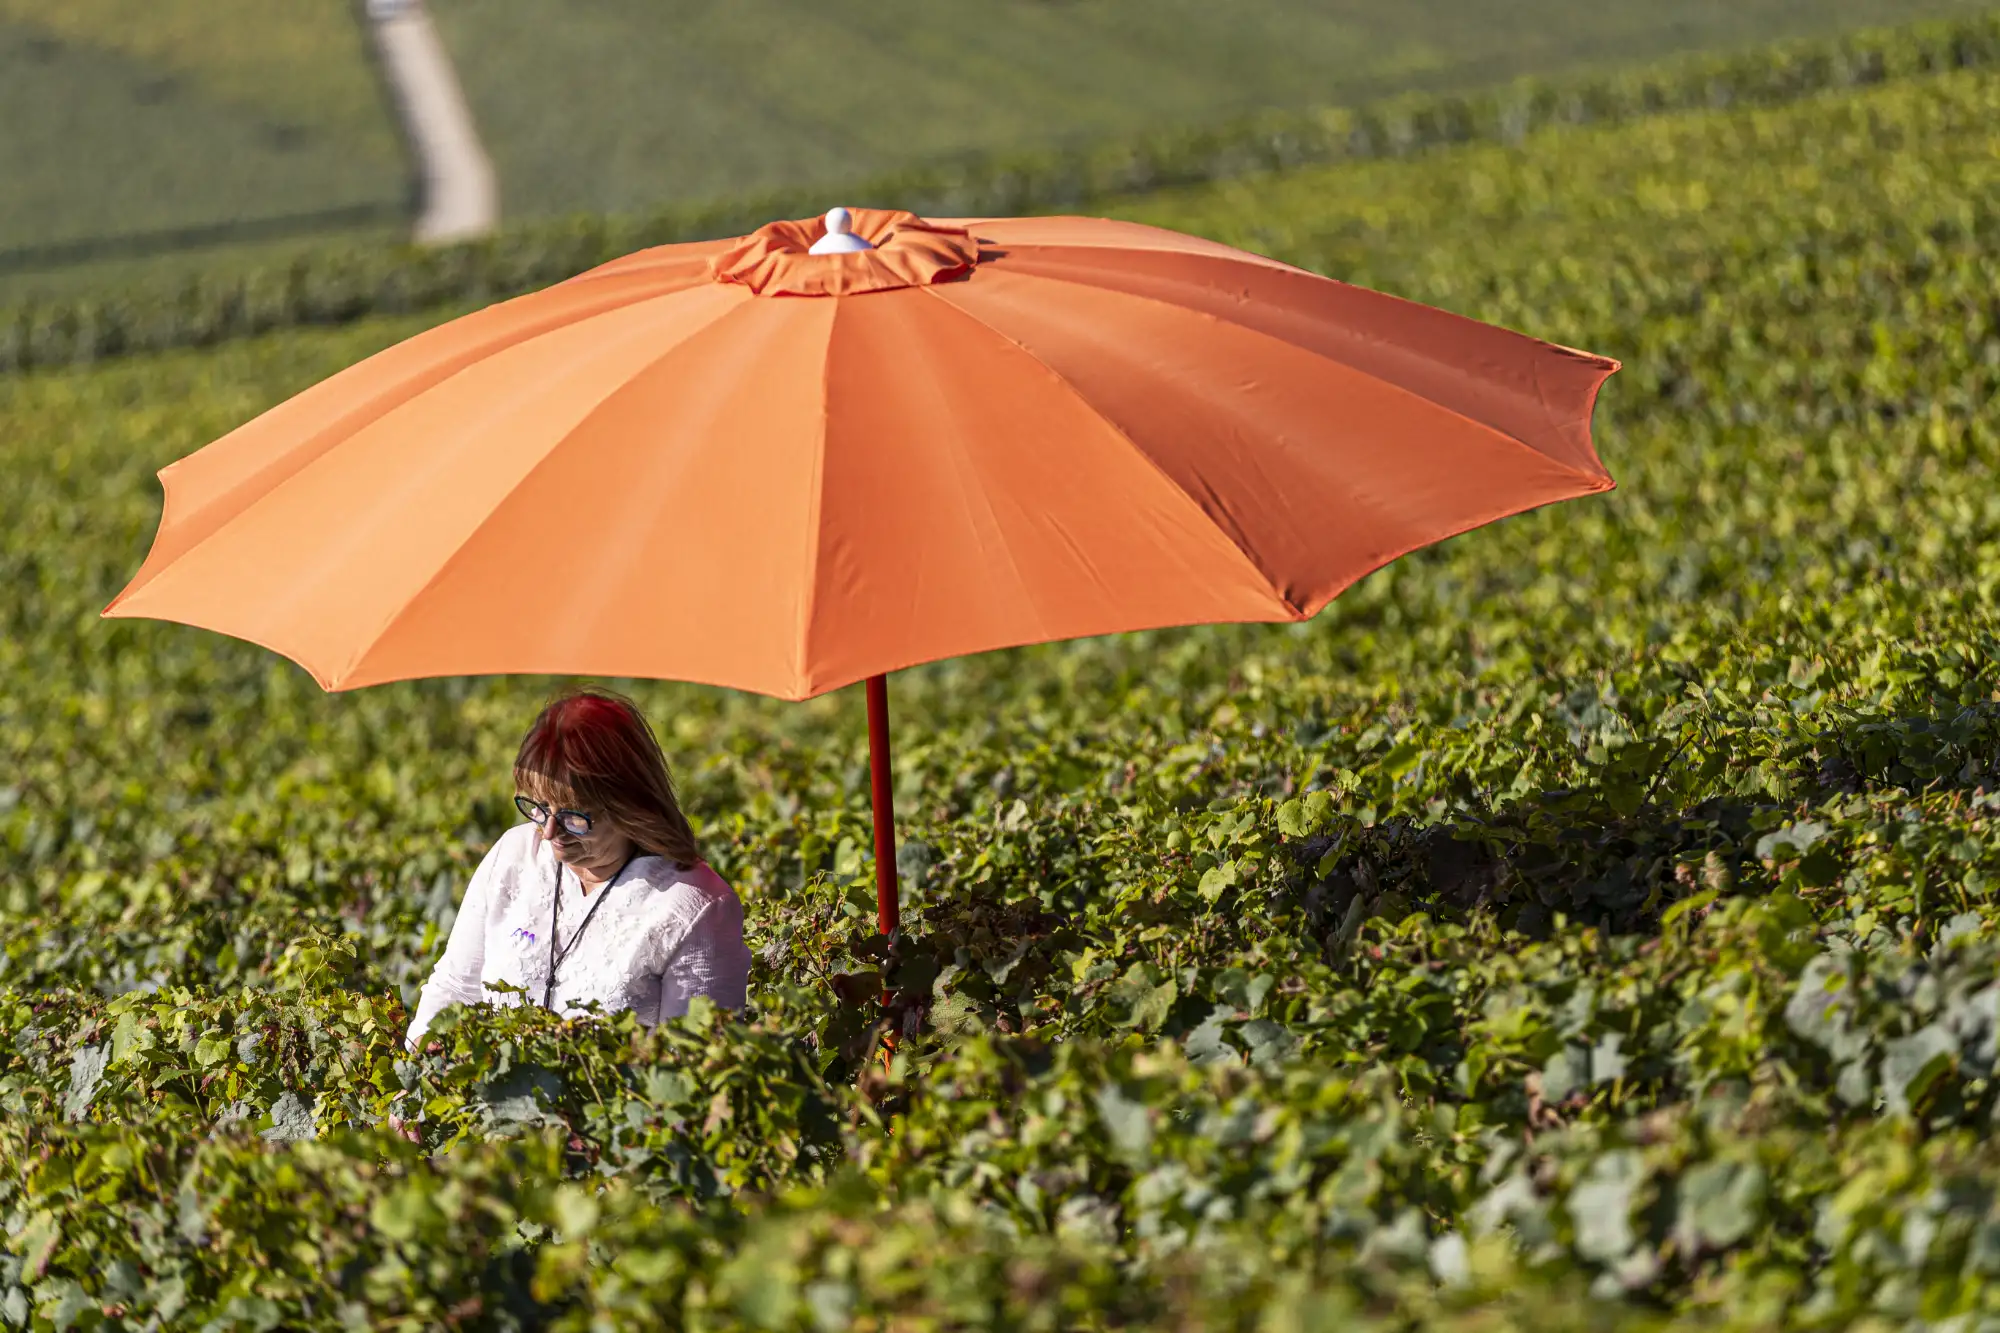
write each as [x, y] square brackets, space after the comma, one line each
[834, 448]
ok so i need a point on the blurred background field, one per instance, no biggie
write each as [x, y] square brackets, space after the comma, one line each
[621, 105]
[150, 141]
[155, 126]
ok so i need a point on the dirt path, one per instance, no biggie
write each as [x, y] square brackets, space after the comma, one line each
[460, 196]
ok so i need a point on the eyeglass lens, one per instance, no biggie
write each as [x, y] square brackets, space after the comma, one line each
[575, 821]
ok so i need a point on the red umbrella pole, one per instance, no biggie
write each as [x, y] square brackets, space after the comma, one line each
[887, 909]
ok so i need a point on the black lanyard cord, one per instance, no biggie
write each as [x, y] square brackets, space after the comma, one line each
[555, 924]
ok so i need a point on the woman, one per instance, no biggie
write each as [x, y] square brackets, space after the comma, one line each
[602, 894]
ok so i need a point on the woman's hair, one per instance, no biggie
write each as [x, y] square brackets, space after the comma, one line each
[591, 750]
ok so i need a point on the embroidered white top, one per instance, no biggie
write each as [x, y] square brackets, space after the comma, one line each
[662, 935]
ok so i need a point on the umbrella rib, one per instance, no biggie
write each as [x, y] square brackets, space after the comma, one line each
[1252, 330]
[965, 471]
[509, 340]
[1157, 240]
[660, 267]
[1263, 575]
[396, 615]
[809, 601]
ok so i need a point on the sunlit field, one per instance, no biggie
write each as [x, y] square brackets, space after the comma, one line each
[1586, 923]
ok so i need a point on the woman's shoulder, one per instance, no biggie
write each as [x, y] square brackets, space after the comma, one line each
[689, 887]
[517, 844]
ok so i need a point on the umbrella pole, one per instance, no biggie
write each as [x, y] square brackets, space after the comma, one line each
[888, 910]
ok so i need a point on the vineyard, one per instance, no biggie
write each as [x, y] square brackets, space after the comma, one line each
[137, 127]
[1588, 923]
[108, 309]
[631, 104]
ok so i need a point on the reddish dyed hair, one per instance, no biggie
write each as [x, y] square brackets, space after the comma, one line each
[592, 750]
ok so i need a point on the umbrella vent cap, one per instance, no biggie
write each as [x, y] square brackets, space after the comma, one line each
[878, 250]
[840, 238]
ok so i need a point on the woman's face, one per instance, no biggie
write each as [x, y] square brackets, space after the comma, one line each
[581, 839]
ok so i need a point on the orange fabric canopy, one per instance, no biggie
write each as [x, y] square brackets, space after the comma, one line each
[738, 463]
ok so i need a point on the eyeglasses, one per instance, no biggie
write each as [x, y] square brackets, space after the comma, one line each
[573, 821]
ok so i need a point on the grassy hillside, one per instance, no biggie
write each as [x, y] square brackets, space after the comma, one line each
[219, 134]
[124, 306]
[1585, 924]
[154, 124]
[622, 105]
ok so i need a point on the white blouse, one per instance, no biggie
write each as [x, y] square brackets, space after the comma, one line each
[661, 935]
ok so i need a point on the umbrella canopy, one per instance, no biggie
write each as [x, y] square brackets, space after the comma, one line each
[744, 463]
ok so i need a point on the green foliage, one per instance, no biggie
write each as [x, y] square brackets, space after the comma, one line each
[1587, 923]
[347, 281]
[149, 125]
[629, 104]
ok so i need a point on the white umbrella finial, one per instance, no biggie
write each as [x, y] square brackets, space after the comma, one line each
[840, 238]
